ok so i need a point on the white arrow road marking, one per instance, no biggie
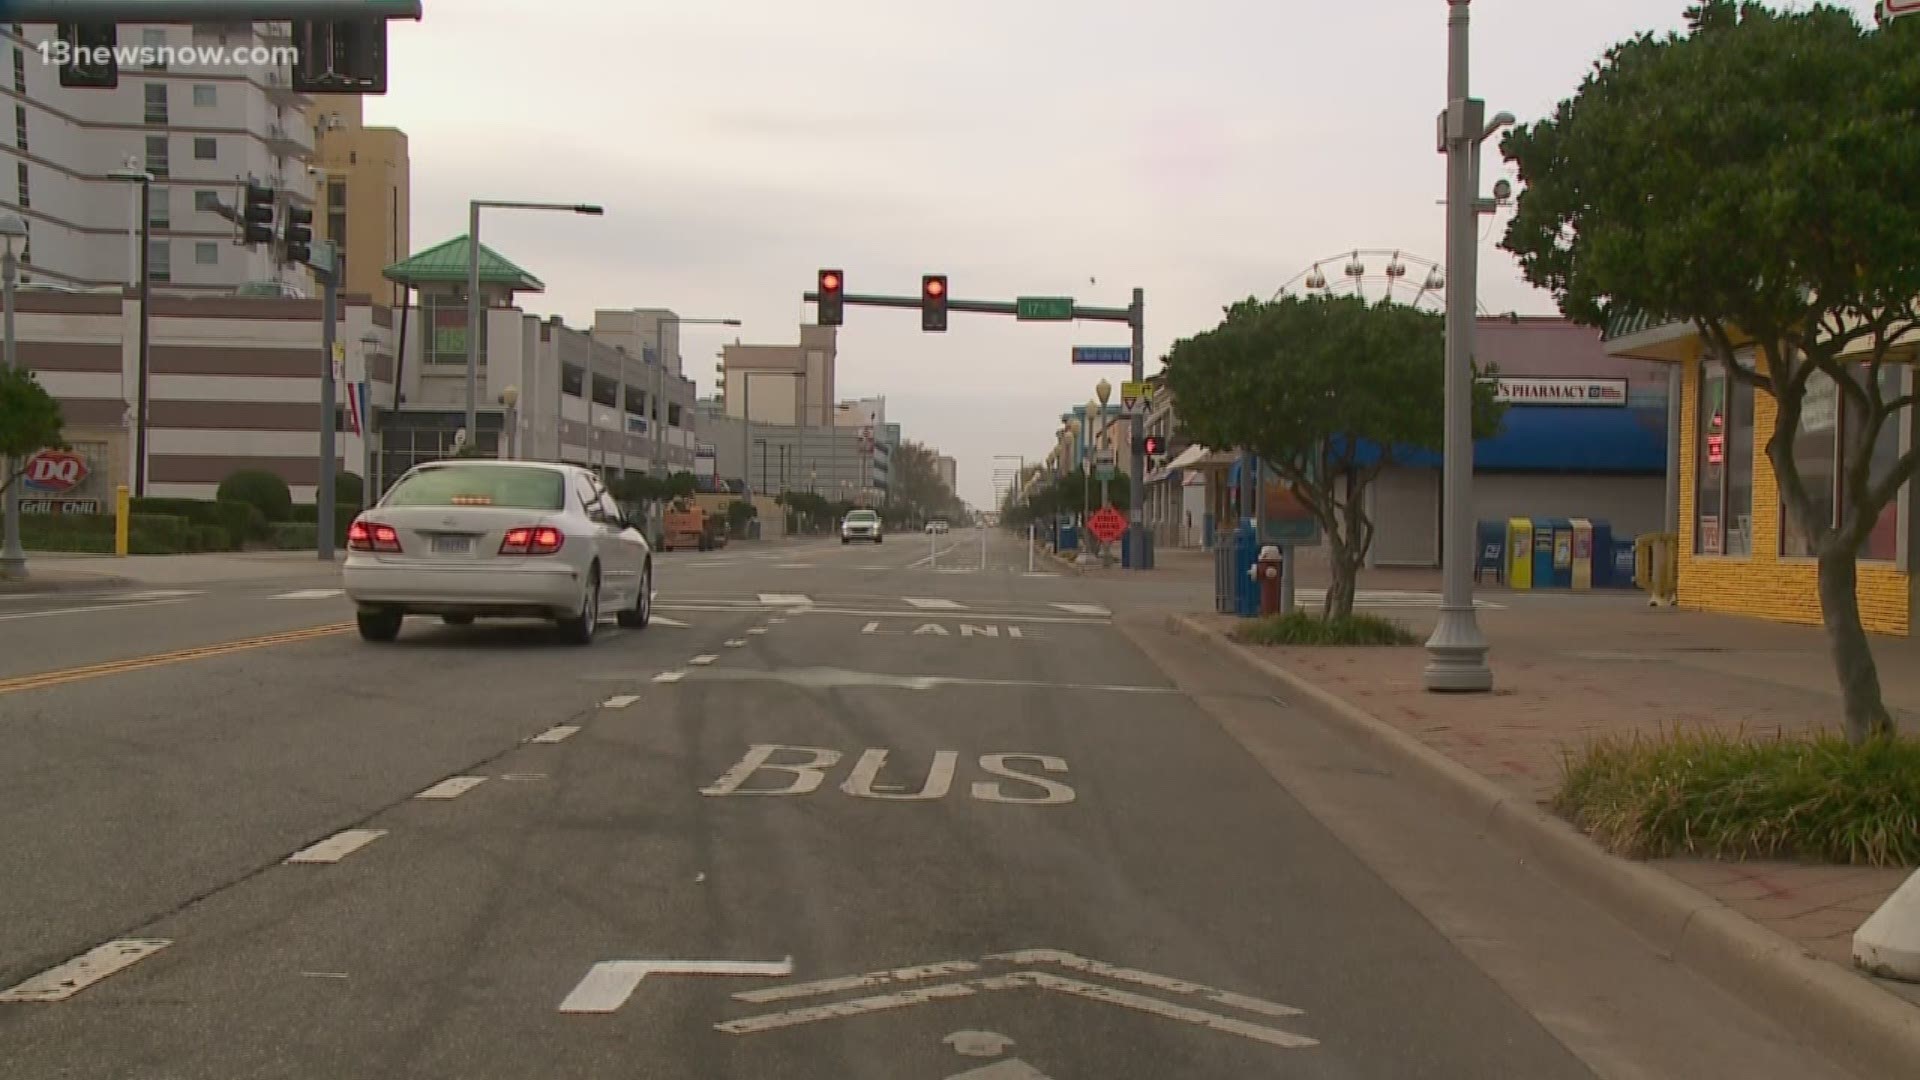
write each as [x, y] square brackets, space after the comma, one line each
[61, 983]
[1014, 1069]
[1029, 957]
[856, 982]
[1083, 609]
[452, 787]
[337, 847]
[557, 733]
[309, 594]
[783, 598]
[933, 603]
[664, 621]
[976, 1043]
[619, 701]
[609, 983]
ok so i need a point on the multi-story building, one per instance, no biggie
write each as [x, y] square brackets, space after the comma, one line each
[781, 384]
[367, 200]
[836, 462]
[949, 472]
[214, 107]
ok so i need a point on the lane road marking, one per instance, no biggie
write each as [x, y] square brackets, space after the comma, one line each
[138, 663]
[620, 701]
[557, 733]
[452, 787]
[61, 983]
[337, 847]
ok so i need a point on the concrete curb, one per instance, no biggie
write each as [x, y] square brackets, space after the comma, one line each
[1857, 1022]
[33, 586]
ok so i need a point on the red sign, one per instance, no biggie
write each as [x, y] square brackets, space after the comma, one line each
[1107, 524]
[55, 471]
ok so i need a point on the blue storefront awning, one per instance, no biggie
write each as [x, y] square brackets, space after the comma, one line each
[1559, 439]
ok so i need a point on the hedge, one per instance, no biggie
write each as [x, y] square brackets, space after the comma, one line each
[147, 534]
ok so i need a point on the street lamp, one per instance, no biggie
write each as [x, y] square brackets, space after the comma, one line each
[132, 175]
[660, 322]
[473, 292]
[510, 397]
[13, 557]
[1457, 651]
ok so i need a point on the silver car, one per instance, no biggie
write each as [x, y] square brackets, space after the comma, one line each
[474, 538]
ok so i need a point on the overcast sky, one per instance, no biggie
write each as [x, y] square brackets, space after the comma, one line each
[1206, 151]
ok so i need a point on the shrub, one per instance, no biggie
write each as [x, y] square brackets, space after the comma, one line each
[262, 489]
[348, 487]
[1708, 792]
[296, 536]
[1305, 628]
[67, 532]
[241, 522]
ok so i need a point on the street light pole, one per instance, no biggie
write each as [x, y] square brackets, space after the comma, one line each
[473, 295]
[1457, 651]
[13, 557]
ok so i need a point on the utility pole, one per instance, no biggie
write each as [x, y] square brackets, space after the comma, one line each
[324, 252]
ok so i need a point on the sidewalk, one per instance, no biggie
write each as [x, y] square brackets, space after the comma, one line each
[1572, 668]
[65, 572]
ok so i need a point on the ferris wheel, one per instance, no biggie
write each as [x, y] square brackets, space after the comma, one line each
[1375, 274]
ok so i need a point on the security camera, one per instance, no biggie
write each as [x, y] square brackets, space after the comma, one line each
[1502, 190]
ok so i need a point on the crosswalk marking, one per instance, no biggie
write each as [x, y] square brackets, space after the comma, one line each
[784, 598]
[933, 603]
[1082, 609]
[309, 594]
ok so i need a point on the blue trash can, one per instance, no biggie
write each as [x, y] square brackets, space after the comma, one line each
[1491, 562]
[1246, 549]
[1602, 555]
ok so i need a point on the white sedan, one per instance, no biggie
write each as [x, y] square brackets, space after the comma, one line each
[474, 538]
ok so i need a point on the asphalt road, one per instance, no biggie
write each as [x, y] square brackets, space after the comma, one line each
[900, 812]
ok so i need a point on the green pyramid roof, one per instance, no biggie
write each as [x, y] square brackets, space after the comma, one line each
[446, 263]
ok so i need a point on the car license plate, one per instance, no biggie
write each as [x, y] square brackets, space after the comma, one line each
[453, 545]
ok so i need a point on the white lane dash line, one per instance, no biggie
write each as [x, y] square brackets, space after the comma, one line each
[13, 615]
[308, 594]
[933, 603]
[557, 733]
[452, 787]
[757, 630]
[669, 676]
[62, 982]
[619, 701]
[664, 621]
[736, 643]
[703, 659]
[783, 598]
[1082, 609]
[777, 619]
[337, 847]
[609, 983]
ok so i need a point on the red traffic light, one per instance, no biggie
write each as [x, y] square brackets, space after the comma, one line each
[829, 281]
[936, 287]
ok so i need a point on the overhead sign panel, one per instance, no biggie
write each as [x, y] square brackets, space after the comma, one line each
[1044, 308]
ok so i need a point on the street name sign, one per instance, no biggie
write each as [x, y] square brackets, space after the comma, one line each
[1044, 308]
[1108, 354]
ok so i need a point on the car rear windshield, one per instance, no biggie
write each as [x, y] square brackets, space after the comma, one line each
[481, 485]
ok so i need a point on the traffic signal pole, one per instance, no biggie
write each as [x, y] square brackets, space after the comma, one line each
[1134, 315]
[195, 11]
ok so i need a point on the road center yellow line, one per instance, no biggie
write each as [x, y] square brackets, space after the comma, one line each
[138, 663]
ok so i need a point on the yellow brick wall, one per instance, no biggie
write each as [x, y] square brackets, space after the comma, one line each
[1766, 585]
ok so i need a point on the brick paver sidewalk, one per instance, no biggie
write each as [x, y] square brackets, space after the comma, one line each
[1569, 668]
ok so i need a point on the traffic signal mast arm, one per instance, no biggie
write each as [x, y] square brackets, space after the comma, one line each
[205, 11]
[981, 307]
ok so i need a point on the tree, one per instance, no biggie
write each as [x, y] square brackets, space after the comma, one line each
[1328, 391]
[1751, 178]
[29, 421]
[916, 490]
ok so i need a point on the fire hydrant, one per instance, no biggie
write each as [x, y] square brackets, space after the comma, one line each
[1267, 570]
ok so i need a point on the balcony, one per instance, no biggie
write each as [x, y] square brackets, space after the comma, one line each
[279, 87]
[283, 141]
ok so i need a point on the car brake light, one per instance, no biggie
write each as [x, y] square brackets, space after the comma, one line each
[372, 536]
[532, 540]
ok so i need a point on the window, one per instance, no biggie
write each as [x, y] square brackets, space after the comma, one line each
[1723, 507]
[518, 487]
[205, 149]
[636, 401]
[207, 201]
[159, 208]
[152, 41]
[20, 126]
[160, 260]
[673, 414]
[205, 96]
[337, 229]
[26, 193]
[19, 70]
[573, 378]
[156, 103]
[337, 195]
[159, 161]
[606, 391]
[26, 246]
[1830, 427]
[206, 253]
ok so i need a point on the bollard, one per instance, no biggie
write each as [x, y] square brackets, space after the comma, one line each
[121, 519]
